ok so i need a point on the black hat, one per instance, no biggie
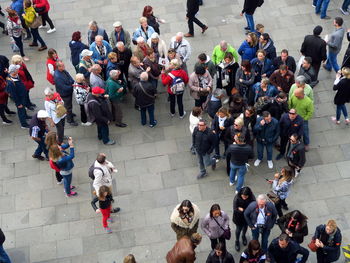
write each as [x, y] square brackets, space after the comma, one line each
[318, 30]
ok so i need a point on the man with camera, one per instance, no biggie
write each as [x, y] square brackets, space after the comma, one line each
[261, 216]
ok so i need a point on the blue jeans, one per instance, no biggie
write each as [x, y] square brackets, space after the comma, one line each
[4, 258]
[204, 160]
[103, 132]
[150, 110]
[332, 61]
[22, 114]
[341, 108]
[260, 148]
[19, 43]
[314, 2]
[67, 180]
[250, 21]
[241, 169]
[322, 6]
[37, 37]
[306, 137]
[345, 5]
[41, 148]
[264, 237]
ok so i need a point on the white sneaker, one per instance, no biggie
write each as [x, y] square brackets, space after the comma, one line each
[181, 117]
[257, 162]
[270, 164]
[86, 123]
[231, 184]
[344, 11]
[172, 115]
[60, 182]
[236, 192]
[51, 31]
[296, 174]
[40, 27]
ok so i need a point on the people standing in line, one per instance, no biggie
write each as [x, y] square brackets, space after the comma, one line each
[260, 216]
[214, 224]
[192, 10]
[14, 29]
[221, 50]
[64, 162]
[296, 154]
[253, 253]
[328, 239]
[241, 201]
[321, 9]
[81, 91]
[315, 47]
[119, 34]
[290, 123]
[51, 66]
[281, 186]
[284, 250]
[98, 109]
[267, 132]
[204, 141]
[181, 47]
[294, 224]
[220, 254]
[248, 10]
[42, 7]
[145, 95]
[95, 30]
[37, 130]
[76, 48]
[183, 250]
[175, 72]
[64, 86]
[3, 255]
[341, 85]
[50, 140]
[185, 219]
[30, 18]
[334, 43]
[200, 84]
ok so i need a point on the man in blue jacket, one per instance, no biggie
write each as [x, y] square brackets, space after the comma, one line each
[100, 50]
[64, 86]
[267, 131]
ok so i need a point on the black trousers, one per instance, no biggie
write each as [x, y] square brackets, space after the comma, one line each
[190, 22]
[83, 116]
[2, 112]
[69, 106]
[316, 66]
[215, 241]
[180, 105]
[279, 205]
[240, 229]
[60, 131]
[45, 17]
[283, 144]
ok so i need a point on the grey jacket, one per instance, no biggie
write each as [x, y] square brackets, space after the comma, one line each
[183, 49]
[335, 40]
[211, 228]
[113, 41]
[96, 81]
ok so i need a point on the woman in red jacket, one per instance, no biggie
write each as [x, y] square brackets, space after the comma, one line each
[175, 79]
[25, 77]
[52, 58]
[42, 7]
[3, 102]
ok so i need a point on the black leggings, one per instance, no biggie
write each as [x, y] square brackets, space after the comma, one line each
[45, 17]
[279, 205]
[59, 177]
[3, 108]
[19, 43]
[239, 229]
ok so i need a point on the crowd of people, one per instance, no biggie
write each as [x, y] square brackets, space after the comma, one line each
[252, 97]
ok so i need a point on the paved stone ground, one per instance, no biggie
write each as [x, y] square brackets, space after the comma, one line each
[156, 169]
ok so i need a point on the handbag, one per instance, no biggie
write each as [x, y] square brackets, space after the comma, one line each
[227, 232]
[39, 9]
[60, 110]
[273, 197]
[37, 22]
[312, 245]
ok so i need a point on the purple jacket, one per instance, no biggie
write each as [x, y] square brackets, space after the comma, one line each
[211, 228]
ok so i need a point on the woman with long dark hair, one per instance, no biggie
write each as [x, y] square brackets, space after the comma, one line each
[220, 255]
[245, 78]
[294, 224]
[151, 19]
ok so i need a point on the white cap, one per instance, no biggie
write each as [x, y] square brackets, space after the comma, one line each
[117, 24]
[86, 52]
[12, 68]
[42, 114]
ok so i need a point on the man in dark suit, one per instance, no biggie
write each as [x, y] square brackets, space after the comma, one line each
[192, 10]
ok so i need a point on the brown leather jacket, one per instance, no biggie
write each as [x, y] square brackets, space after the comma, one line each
[182, 252]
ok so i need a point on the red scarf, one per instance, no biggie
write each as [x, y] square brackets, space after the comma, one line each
[14, 19]
[56, 96]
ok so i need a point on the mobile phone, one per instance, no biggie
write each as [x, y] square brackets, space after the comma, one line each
[267, 179]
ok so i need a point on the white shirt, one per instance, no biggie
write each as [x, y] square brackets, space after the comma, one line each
[50, 108]
[193, 122]
[222, 121]
[261, 217]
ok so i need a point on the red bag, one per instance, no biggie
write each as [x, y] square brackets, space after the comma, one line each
[312, 245]
[54, 166]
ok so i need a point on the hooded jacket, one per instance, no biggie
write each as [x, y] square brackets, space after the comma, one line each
[270, 49]
[246, 51]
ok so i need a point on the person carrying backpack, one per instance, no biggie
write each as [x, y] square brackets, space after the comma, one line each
[175, 79]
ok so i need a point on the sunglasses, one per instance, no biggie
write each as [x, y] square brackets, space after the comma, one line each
[292, 113]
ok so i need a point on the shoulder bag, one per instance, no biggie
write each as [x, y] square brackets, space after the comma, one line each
[145, 92]
[273, 197]
[312, 245]
[37, 21]
[227, 232]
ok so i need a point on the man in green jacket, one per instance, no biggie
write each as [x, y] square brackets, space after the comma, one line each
[220, 51]
[305, 108]
[300, 82]
[115, 90]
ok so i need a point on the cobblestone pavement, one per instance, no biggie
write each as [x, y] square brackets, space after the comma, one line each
[156, 169]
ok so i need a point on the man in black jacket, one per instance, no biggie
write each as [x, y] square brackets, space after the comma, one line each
[284, 250]
[98, 111]
[248, 10]
[290, 123]
[204, 141]
[308, 71]
[192, 10]
[296, 154]
[285, 59]
[240, 152]
[316, 48]
[124, 56]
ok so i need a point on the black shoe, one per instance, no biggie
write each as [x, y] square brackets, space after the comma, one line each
[31, 108]
[121, 125]
[285, 207]
[33, 105]
[115, 210]
[279, 156]
[7, 122]
[74, 115]
[237, 247]
[73, 123]
[39, 157]
[213, 166]
[200, 176]
[154, 124]
[244, 240]
[10, 112]
[247, 28]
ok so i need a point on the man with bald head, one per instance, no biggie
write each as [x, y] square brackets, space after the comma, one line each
[300, 82]
[100, 50]
[305, 108]
[220, 51]
[182, 47]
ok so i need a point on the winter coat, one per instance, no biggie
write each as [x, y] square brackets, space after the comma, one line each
[331, 249]
[99, 109]
[290, 63]
[112, 66]
[180, 227]
[218, 55]
[63, 82]
[76, 47]
[29, 15]
[134, 74]
[96, 81]
[226, 75]
[100, 32]
[267, 133]
[195, 85]
[269, 49]
[3, 93]
[314, 47]
[262, 67]
[154, 73]
[141, 98]
[346, 59]
[16, 90]
[284, 82]
[124, 37]
[211, 228]
[152, 21]
[343, 91]
[103, 177]
[289, 127]
[288, 254]
[183, 48]
[249, 7]
[112, 87]
[271, 105]
[238, 201]
[183, 251]
[124, 59]
[310, 75]
[4, 64]
[215, 125]
[192, 8]
[25, 77]
[17, 5]
[167, 80]
[245, 87]
[297, 155]
[203, 141]
[231, 132]
[81, 91]
[140, 33]
[42, 3]
[14, 28]
[271, 91]
[251, 214]
[240, 153]
[225, 258]
[300, 230]
[96, 53]
[304, 107]
[246, 51]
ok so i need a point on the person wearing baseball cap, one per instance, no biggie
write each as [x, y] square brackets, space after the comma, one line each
[119, 34]
[37, 130]
[98, 112]
[86, 63]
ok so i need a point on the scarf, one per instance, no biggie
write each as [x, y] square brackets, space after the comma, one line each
[56, 97]
[14, 19]
[120, 36]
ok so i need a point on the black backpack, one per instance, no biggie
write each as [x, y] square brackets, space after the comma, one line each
[92, 169]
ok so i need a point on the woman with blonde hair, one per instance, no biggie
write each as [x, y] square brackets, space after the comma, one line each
[248, 48]
[327, 240]
[342, 86]
[144, 30]
[50, 140]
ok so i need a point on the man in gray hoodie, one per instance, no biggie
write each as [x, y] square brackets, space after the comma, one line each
[334, 43]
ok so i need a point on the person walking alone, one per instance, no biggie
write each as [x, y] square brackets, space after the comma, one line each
[192, 10]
